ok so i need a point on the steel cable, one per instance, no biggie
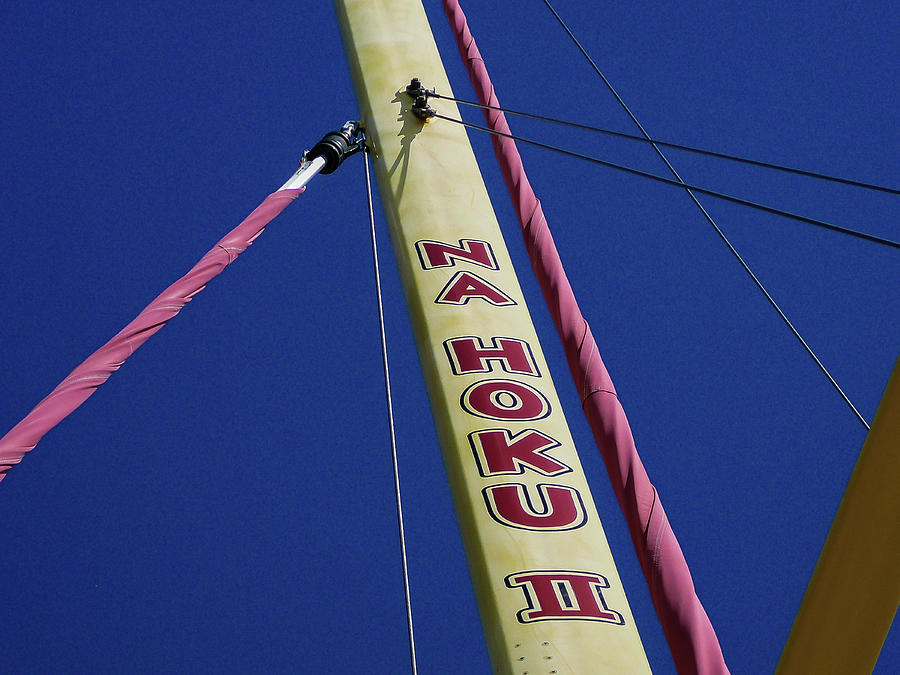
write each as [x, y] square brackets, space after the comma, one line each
[690, 190]
[682, 184]
[677, 146]
[390, 413]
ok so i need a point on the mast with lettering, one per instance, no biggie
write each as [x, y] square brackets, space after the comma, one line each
[547, 588]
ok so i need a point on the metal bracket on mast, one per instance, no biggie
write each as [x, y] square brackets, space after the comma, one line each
[420, 94]
[416, 89]
[327, 154]
[422, 110]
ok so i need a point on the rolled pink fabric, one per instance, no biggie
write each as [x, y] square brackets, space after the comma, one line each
[691, 637]
[94, 371]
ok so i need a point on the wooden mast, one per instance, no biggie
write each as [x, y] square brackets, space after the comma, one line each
[548, 591]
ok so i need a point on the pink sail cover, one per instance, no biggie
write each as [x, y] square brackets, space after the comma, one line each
[691, 637]
[94, 371]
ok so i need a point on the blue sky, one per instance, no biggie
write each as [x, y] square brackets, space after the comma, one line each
[224, 501]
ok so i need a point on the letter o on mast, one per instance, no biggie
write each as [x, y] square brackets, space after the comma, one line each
[504, 400]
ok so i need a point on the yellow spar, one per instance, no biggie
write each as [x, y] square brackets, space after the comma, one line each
[853, 595]
[547, 587]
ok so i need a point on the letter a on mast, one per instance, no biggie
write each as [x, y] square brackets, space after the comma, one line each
[549, 595]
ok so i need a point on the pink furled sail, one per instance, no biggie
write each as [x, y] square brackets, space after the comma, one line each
[691, 637]
[94, 371]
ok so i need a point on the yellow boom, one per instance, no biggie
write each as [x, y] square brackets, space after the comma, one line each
[854, 591]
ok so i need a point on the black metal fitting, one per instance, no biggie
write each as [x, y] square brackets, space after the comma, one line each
[415, 88]
[422, 110]
[337, 146]
[417, 91]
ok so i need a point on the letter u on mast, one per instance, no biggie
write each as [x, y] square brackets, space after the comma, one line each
[549, 595]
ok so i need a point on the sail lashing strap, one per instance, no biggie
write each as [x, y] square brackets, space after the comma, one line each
[691, 637]
[96, 369]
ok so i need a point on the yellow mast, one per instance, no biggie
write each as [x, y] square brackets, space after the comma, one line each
[854, 591]
[548, 591]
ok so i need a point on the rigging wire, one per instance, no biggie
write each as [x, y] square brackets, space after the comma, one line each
[709, 218]
[682, 184]
[668, 144]
[390, 412]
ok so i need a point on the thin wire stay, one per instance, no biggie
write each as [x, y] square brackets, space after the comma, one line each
[390, 412]
[710, 219]
[669, 144]
[682, 184]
